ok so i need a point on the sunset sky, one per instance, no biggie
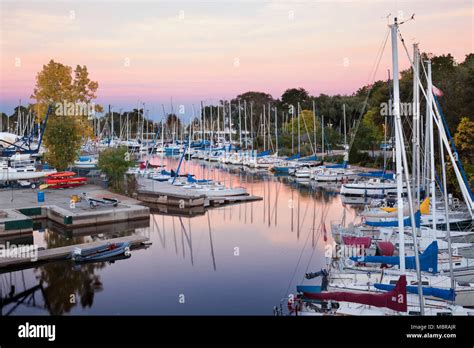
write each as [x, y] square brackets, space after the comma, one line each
[152, 51]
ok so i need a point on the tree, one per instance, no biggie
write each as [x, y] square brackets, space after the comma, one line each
[114, 162]
[463, 139]
[293, 96]
[70, 94]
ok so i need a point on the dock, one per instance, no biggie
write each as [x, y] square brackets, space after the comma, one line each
[20, 208]
[61, 253]
[165, 194]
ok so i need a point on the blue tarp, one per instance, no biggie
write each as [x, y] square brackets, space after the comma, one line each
[339, 165]
[310, 158]
[394, 222]
[445, 294]
[428, 259]
[308, 288]
[264, 153]
[381, 175]
[291, 158]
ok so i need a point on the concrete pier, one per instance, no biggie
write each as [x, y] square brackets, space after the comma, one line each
[19, 208]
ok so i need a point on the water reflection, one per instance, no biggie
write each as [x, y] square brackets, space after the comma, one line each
[236, 259]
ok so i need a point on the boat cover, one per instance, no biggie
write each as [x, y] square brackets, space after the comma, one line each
[291, 158]
[394, 222]
[395, 299]
[445, 294]
[365, 241]
[428, 259]
[264, 153]
[381, 175]
[385, 248]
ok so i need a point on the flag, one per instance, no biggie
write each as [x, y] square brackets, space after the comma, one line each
[437, 92]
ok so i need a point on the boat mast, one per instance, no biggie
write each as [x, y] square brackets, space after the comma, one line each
[240, 127]
[263, 130]
[314, 127]
[402, 166]
[276, 131]
[322, 136]
[245, 123]
[431, 149]
[251, 122]
[416, 123]
[299, 132]
[446, 211]
[230, 122]
[218, 126]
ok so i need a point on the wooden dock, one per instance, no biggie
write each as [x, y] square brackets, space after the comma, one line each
[62, 253]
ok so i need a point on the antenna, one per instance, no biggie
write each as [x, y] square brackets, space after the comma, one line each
[412, 18]
[387, 17]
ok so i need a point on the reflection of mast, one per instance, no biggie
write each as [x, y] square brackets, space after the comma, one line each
[292, 208]
[188, 238]
[275, 207]
[298, 219]
[269, 202]
[26, 298]
[314, 220]
[162, 236]
[174, 235]
[210, 241]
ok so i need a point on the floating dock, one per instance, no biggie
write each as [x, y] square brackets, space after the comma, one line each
[165, 194]
[61, 253]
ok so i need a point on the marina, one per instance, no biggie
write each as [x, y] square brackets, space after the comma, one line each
[164, 164]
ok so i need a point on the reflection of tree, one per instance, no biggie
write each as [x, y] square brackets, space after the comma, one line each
[62, 280]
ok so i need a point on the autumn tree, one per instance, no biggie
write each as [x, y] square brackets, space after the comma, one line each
[70, 94]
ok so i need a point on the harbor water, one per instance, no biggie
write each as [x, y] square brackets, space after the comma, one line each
[240, 259]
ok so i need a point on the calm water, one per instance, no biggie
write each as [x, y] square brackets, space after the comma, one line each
[234, 260]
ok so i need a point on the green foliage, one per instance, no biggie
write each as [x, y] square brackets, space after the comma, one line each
[114, 162]
[64, 142]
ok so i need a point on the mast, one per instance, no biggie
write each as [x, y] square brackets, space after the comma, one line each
[251, 122]
[276, 131]
[345, 135]
[263, 130]
[314, 127]
[416, 124]
[402, 165]
[245, 123]
[230, 122]
[218, 126]
[432, 148]
[292, 129]
[446, 211]
[112, 122]
[299, 131]
[240, 127]
[322, 135]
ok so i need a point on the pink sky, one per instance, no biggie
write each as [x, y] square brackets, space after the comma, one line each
[193, 51]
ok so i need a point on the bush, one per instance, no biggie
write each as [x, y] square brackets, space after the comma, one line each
[114, 162]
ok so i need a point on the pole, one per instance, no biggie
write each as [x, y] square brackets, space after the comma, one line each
[402, 165]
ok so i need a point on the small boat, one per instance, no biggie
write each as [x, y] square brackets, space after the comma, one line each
[63, 180]
[102, 252]
[86, 162]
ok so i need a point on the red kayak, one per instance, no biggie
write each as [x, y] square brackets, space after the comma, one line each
[64, 179]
